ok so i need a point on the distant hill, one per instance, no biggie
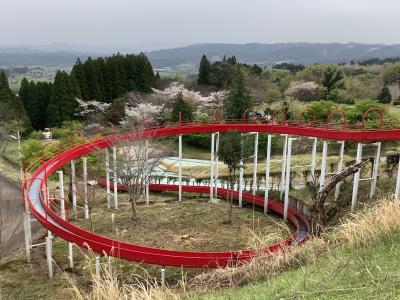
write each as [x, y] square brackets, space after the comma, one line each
[270, 54]
[189, 56]
[30, 57]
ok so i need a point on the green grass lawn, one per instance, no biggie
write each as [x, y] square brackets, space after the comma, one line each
[345, 273]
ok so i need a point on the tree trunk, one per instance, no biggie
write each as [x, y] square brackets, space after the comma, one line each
[133, 205]
[319, 216]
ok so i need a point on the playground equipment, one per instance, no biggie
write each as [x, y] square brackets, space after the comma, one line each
[37, 197]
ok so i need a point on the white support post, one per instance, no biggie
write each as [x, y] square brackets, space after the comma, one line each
[49, 250]
[314, 159]
[147, 190]
[61, 194]
[49, 234]
[287, 179]
[241, 166]
[339, 169]
[108, 179]
[180, 168]
[85, 188]
[71, 255]
[375, 170]
[212, 166]
[323, 164]
[356, 178]
[28, 235]
[397, 192]
[216, 164]
[267, 168]
[255, 161]
[282, 185]
[163, 276]
[115, 177]
[98, 267]
[73, 181]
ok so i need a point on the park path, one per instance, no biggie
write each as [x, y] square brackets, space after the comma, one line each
[12, 207]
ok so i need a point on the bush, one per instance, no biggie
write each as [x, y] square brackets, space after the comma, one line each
[385, 96]
[340, 96]
[321, 109]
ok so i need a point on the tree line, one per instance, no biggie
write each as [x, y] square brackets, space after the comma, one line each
[101, 79]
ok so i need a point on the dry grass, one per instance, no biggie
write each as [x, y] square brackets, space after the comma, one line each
[366, 226]
[261, 267]
[361, 229]
[109, 286]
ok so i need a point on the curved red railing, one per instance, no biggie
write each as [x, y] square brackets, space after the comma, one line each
[369, 111]
[279, 110]
[100, 244]
[300, 117]
[336, 111]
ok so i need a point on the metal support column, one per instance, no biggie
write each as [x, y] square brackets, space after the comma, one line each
[108, 179]
[282, 185]
[212, 166]
[323, 164]
[85, 188]
[356, 179]
[147, 190]
[339, 169]
[180, 168]
[49, 257]
[375, 170]
[71, 255]
[255, 161]
[397, 192]
[97, 260]
[314, 159]
[287, 179]
[163, 276]
[267, 169]
[115, 177]
[241, 167]
[28, 235]
[73, 179]
[216, 164]
[61, 194]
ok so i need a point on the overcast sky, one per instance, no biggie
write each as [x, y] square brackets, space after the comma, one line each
[152, 24]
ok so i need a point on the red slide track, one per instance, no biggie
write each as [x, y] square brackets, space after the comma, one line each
[103, 245]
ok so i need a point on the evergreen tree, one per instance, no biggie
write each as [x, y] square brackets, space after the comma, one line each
[92, 79]
[384, 95]
[116, 112]
[3, 81]
[79, 73]
[11, 107]
[24, 92]
[238, 99]
[73, 86]
[62, 103]
[183, 107]
[204, 71]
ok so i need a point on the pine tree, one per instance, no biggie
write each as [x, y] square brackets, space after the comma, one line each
[116, 112]
[239, 97]
[384, 95]
[62, 103]
[92, 79]
[183, 107]
[79, 73]
[204, 71]
[3, 81]
[11, 107]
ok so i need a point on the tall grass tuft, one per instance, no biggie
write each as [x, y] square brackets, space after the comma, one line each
[365, 227]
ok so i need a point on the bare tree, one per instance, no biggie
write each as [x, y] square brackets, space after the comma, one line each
[320, 214]
[139, 160]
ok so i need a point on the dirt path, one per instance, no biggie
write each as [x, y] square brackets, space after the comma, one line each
[11, 209]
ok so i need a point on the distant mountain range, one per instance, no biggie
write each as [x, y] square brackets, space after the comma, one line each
[189, 56]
